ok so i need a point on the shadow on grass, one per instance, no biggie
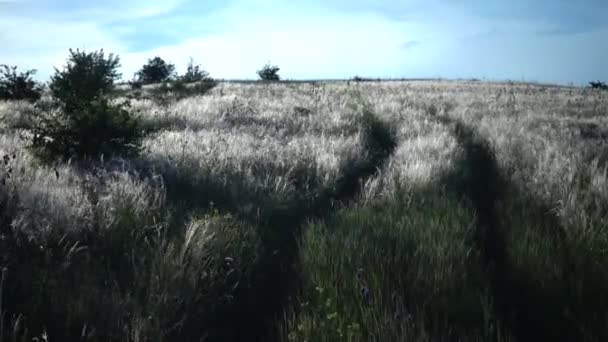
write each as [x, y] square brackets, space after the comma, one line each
[537, 290]
[253, 313]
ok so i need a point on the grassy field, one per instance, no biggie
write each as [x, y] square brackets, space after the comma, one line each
[318, 211]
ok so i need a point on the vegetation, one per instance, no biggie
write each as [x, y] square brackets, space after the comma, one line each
[86, 77]
[425, 211]
[269, 73]
[598, 85]
[156, 70]
[18, 86]
[86, 123]
[194, 73]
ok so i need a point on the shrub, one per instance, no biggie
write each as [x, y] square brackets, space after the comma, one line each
[85, 122]
[136, 84]
[194, 73]
[97, 128]
[598, 85]
[155, 71]
[18, 86]
[179, 89]
[85, 78]
[269, 73]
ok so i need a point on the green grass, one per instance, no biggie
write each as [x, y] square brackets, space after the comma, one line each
[241, 222]
[393, 272]
[557, 278]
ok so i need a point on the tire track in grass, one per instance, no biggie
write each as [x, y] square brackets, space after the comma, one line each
[478, 180]
[279, 280]
[253, 314]
[531, 312]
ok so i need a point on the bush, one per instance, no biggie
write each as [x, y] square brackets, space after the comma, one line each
[194, 73]
[179, 89]
[155, 71]
[136, 84]
[85, 78]
[269, 73]
[98, 128]
[20, 86]
[85, 122]
[598, 85]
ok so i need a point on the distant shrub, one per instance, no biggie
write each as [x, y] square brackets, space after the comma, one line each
[136, 84]
[155, 71]
[100, 127]
[85, 122]
[269, 73]
[194, 73]
[18, 86]
[179, 89]
[364, 79]
[86, 77]
[598, 85]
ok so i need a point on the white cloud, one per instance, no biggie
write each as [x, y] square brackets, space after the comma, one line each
[39, 36]
[40, 44]
[306, 40]
[306, 47]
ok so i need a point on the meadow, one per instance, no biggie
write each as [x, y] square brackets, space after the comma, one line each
[318, 211]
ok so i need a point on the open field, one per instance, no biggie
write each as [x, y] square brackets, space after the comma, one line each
[321, 211]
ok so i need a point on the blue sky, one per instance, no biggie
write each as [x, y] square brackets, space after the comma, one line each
[556, 41]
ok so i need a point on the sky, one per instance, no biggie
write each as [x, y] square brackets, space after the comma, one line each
[549, 41]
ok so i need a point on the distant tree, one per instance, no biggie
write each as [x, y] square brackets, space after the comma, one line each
[194, 73]
[85, 78]
[156, 71]
[269, 73]
[18, 86]
[598, 85]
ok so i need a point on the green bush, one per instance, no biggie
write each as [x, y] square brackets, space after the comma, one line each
[86, 77]
[100, 127]
[598, 85]
[155, 71]
[179, 89]
[136, 84]
[85, 122]
[18, 86]
[269, 73]
[194, 73]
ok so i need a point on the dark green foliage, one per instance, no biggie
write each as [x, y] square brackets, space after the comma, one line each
[85, 78]
[155, 71]
[85, 122]
[136, 84]
[18, 86]
[179, 89]
[598, 85]
[364, 79]
[194, 73]
[99, 127]
[269, 73]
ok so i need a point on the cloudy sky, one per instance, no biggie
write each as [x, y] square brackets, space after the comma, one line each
[557, 41]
